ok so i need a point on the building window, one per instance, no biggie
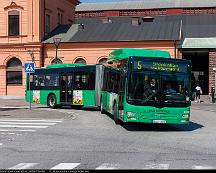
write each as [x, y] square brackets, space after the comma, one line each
[59, 18]
[103, 61]
[56, 61]
[80, 61]
[13, 23]
[47, 27]
[14, 72]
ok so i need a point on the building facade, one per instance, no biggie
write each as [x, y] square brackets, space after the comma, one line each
[23, 24]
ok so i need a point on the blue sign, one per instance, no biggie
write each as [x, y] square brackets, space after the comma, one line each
[29, 67]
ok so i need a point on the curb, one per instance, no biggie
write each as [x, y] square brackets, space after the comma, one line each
[20, 107]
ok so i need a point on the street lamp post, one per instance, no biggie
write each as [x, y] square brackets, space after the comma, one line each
[31, 53]
[56, 42]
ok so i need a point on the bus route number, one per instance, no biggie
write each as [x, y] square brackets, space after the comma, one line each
[139, 65]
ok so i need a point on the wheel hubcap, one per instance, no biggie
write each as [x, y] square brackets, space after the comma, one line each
[52, 102]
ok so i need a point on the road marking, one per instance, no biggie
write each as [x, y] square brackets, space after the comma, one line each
[15, 126]
[33, 120]
[157, 166]
[27, 123]
[108, 166]
[24, 165]
[14, 130]
[1, 144]
[62, 166]
[202, 167]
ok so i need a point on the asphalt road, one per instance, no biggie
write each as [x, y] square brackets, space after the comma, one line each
[85, 139]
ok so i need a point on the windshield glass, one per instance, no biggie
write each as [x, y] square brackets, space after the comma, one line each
[143, 87]
[154, 88]
[175, 88]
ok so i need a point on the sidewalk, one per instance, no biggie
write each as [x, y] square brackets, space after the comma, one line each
[16, 102]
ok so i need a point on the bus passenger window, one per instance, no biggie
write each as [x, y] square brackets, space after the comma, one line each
[52, 80]
[41, 80]
[79, 84]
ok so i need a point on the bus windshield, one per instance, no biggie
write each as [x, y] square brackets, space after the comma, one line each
[152, 87]
[175, 88]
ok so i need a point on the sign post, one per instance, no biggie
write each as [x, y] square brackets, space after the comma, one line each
[29, 68]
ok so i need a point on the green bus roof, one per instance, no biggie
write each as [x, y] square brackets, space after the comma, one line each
[125, 53]
[64, 65]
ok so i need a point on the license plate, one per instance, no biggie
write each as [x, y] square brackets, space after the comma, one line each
[159, 121]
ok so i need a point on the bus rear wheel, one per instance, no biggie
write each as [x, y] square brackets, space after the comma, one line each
[51, 101]
[102, 110]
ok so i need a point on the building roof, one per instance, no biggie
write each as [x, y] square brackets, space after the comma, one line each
[121, 29]
[199, 43]
[144, 4]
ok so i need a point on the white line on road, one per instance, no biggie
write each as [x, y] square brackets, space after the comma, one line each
[62, 166]
[108, 166]
[32, 120]
[15, 126]
[14, 130]
[1, 144]
[157, 166]
[24, 165]
[48, 124]
[202, 167]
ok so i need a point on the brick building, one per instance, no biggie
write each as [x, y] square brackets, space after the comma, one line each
[23, 24]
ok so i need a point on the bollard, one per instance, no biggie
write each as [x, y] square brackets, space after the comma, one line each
[213, 94]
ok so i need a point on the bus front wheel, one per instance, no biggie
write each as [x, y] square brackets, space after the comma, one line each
[51, 101]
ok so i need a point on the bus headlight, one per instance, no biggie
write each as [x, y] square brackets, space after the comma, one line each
[131, 114]
[185, 116]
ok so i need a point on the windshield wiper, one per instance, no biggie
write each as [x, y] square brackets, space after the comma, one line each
[144, 100]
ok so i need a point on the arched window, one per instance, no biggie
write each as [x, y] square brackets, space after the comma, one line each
[103, 61]
[56, 61]
[13, 23]
[80, 61]
[14, 72]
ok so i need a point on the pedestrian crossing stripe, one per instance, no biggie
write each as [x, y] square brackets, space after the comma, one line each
[24, 165]
[26, 125]
[66, 166]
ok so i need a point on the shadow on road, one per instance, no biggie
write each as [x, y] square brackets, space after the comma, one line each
[161, 127]
[158, 127]
[83, 108]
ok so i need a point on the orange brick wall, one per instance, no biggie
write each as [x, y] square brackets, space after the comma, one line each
[92, 52]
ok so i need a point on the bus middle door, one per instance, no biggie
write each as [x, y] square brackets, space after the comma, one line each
[66, 89]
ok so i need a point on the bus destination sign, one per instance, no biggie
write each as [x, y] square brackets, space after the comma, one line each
[160, 66]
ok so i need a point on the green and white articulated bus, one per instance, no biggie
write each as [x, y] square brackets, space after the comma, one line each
[65, 84]
[149, 87]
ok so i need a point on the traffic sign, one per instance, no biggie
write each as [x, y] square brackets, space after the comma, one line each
[29, 67]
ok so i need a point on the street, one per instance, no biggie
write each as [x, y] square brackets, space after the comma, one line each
[65, 138]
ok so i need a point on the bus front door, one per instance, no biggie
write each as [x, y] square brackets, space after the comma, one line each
[121, 96]
[66, 89]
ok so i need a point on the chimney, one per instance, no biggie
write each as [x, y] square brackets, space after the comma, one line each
[136, 21]
[106, 20]
[148, 19]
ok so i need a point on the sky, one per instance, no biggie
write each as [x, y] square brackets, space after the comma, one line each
[102, 0]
